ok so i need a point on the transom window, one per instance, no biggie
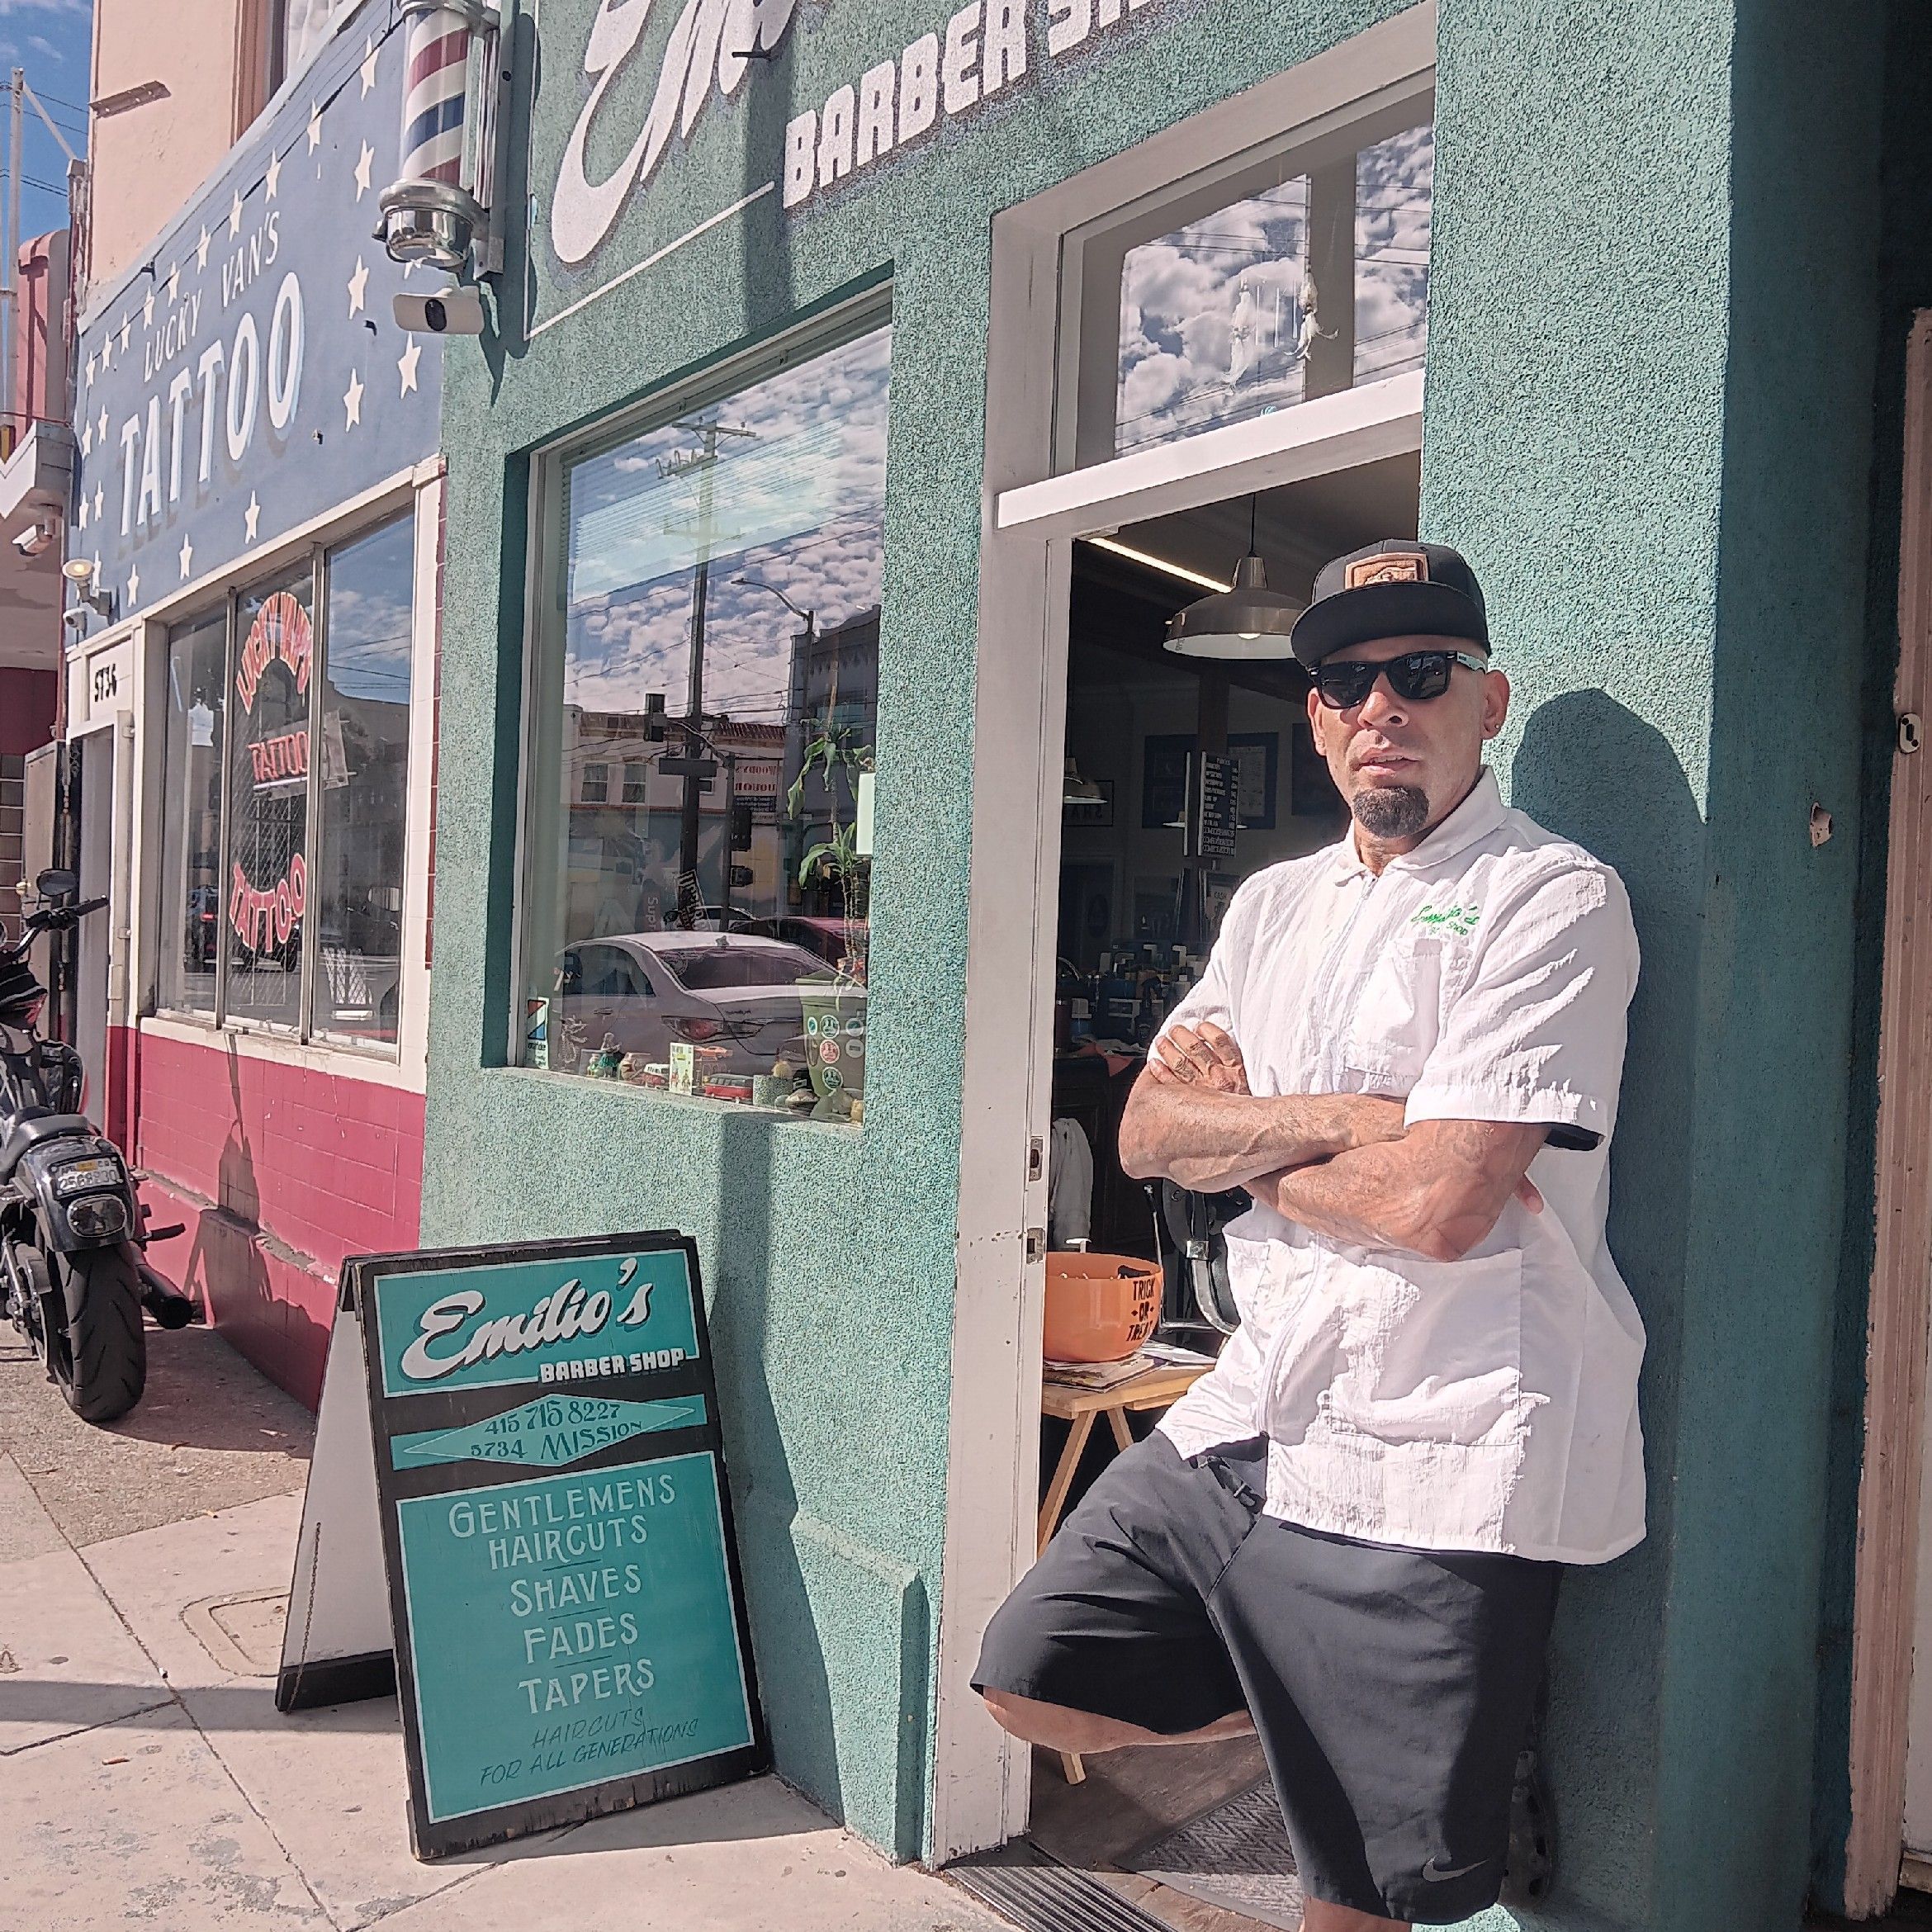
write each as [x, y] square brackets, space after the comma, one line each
[1281, 276]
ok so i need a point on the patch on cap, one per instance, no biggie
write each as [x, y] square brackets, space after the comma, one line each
[1387, 566]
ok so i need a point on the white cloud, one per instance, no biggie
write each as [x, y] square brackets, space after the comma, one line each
[41, 45]
[84, 8]
[1210, 315]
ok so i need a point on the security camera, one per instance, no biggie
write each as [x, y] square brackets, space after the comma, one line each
[75, 619]
[37, 537]
[457, 311]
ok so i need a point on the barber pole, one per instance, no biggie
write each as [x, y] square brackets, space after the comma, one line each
[438, 211]
[438, 80]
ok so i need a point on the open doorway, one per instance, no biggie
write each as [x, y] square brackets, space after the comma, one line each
[1188, 1833]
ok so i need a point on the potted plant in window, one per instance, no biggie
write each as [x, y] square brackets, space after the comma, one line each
[834, 1002]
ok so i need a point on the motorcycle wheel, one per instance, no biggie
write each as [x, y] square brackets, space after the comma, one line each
[102, 1363]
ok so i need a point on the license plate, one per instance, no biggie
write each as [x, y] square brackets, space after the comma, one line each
[95, 1173]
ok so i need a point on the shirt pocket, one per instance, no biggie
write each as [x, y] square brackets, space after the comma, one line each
[1398, 1013]
[1432, 1353]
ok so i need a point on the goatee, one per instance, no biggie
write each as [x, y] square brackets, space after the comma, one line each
[1390, 812]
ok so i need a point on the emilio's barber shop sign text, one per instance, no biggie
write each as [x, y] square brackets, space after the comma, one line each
[885, 107]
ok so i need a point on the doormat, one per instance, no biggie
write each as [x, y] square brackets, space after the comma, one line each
[1032, 1889]
[1235, 1856]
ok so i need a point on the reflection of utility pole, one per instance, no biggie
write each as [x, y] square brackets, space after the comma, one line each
[798, 685]
[704, 462]
[731, 851]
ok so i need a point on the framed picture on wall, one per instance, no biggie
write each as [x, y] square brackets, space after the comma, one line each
[1257, 759]
[1311, 792]
[1163, 778]
[1096, 812]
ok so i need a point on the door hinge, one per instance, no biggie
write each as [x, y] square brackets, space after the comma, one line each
[1035, 1158]
[1036, 1242]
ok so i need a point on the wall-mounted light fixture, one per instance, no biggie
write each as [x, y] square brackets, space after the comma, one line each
[1249, 621]
[79, 571]
[439, 210]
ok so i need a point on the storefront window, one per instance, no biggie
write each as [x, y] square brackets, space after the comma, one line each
[191, 912]
[288, 915]
[268, 792]
[696, 897]
[1275, 281]
[363, 791]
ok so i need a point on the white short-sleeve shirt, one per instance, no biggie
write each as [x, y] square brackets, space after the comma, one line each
[1484, 1403]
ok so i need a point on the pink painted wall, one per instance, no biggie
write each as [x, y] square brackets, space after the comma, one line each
[279, 1172]
[148, 160]
[39, 364]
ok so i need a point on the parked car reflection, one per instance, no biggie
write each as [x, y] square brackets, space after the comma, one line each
[742, 996]
[839, 942]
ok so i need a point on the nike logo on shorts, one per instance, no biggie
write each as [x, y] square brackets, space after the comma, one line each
[1434, 1872]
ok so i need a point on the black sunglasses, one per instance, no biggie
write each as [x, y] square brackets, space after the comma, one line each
[1416, 677]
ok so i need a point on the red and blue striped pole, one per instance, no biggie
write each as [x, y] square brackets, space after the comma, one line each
[436, 211]
[435, 88]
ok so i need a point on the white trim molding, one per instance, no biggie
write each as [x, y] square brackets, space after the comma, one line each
[1030, 517]
[1885, 1592]
[1313, 438]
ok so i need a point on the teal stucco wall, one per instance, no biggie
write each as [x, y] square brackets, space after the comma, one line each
[1648, 421]
[1667, 486]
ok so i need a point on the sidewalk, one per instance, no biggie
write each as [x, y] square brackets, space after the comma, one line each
[148, 1780]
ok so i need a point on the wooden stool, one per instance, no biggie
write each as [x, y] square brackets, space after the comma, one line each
[1158, 1387]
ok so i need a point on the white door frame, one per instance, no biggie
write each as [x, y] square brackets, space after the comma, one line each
[1030, 518]
[1889, 1551]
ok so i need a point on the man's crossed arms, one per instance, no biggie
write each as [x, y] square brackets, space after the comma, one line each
[1344, 1165]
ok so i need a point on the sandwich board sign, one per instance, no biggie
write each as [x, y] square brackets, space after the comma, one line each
[529, 1435]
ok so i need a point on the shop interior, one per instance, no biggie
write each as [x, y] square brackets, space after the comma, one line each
[1143, 888]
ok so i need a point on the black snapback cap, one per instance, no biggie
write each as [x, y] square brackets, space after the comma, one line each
[1397, 588]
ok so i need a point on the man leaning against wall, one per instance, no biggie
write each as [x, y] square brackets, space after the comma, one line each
[1347, 1538]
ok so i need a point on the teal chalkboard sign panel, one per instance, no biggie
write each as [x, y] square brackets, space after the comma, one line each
[571, 1636]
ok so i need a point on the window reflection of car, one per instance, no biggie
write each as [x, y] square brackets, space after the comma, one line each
[834, 941]
[737, 994]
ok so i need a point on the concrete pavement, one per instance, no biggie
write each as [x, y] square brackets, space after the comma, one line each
[147, 1780]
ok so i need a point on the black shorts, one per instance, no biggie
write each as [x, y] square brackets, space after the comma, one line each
[1392, 1689]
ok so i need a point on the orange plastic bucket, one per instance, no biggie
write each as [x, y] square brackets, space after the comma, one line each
[1099, 1307]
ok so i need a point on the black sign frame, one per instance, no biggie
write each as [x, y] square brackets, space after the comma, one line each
[393, 1416]
[1214, 805]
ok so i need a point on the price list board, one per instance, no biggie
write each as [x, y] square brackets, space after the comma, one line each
[571, 1636]
[1213, 820]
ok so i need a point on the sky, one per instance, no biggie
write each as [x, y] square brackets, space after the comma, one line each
[1210, 315]
[798, 499]
[51, 39]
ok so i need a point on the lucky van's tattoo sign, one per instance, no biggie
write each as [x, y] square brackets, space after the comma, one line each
[570, 1633]
[245, 373]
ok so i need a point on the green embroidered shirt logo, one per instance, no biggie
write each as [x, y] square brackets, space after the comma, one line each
[1459, 919]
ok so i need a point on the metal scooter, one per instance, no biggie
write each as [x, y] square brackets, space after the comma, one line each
[72, 1226]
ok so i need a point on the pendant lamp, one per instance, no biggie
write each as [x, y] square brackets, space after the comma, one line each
[1249, 621]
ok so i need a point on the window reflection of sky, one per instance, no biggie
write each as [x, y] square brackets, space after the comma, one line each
[1210, 315]
[1395, 185]
[370, 594]
[797, 503]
